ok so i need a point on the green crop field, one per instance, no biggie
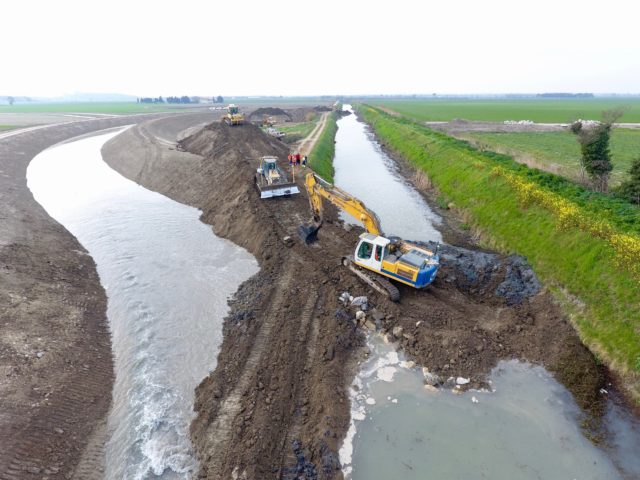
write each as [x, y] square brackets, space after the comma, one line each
[296, 131]
[559, 152]
[537, 110]
[594, 281]
[86, 107]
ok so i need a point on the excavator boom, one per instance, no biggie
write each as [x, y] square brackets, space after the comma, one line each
[319, 189]
[396, 260]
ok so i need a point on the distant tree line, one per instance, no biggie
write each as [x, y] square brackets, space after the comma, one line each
[182, 99]
[565, 95]
[11, 100]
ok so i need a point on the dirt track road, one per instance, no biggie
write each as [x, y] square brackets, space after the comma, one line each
[308, 143]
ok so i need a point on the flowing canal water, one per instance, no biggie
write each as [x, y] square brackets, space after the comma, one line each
[527, 427]
[167, 278]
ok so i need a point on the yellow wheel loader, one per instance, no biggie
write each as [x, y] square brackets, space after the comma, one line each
[233, 116]
[393, 259]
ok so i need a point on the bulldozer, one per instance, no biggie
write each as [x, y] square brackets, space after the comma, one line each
[233, 116]
[389, 258]
[271, 181]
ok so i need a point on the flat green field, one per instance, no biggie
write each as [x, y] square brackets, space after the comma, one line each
[7, 127]
[537, 110]
[559, 152]
[86, 107]
[297, 131]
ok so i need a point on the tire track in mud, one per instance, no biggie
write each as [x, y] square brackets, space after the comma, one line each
[309, 330]
[219, 432]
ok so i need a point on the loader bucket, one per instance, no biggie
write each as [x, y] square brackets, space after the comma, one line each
[309, 232]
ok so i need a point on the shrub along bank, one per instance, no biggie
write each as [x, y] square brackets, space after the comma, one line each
[584, 246]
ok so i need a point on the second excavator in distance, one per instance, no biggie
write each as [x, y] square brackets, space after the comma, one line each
[393, 259]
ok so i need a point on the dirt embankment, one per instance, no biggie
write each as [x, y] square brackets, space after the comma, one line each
[276, 405]
[55, 355]
[282, 368]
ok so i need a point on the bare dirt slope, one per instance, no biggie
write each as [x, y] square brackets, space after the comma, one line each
[55, 355]
[276, 405]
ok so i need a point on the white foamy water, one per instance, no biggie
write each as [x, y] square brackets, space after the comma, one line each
[167, 278]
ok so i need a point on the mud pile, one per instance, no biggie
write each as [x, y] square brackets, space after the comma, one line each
[276, 405]
[259, 114]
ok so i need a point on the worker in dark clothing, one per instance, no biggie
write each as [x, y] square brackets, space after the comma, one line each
[304, 161]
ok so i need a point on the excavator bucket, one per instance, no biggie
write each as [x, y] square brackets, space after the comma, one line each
[309, 232]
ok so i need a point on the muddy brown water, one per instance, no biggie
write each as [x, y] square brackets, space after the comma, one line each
[167, 277]
[527, 427]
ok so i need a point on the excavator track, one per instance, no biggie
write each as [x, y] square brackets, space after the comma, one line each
[376, 282]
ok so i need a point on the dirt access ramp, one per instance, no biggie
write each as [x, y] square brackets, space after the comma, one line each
[276, 404]
[55, 351]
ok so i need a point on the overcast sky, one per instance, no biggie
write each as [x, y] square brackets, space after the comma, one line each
[298, 47]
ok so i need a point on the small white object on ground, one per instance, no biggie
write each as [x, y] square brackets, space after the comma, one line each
[462, 381]
[386, 373]
[474, 399]
[370, 401]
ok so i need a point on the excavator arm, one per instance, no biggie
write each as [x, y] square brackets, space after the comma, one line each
[319, 190]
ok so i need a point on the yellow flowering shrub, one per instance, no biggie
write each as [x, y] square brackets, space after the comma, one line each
[569, 215]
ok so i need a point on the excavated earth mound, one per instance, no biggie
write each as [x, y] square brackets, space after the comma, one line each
[259, 114]
[276, 405]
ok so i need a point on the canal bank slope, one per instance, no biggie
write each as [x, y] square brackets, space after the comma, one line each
[55, 353]
[277, 402]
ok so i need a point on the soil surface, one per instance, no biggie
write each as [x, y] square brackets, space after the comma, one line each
[55, 352]
[276, 406]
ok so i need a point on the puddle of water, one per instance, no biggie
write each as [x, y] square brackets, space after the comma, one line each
[364, 170]
[526, 428]
[167, 278]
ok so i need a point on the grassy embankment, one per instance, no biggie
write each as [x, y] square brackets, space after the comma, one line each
[115, 108]
[296, 132]
[7, 127]
[582, 245]
[498, 110]
[321, 157]
[559, 152]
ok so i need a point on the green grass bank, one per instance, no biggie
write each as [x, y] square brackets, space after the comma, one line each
[498, 110]
[600, 293]
[321, 157]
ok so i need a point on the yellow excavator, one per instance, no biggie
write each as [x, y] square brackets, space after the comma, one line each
[233, 116]
[393, 259]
